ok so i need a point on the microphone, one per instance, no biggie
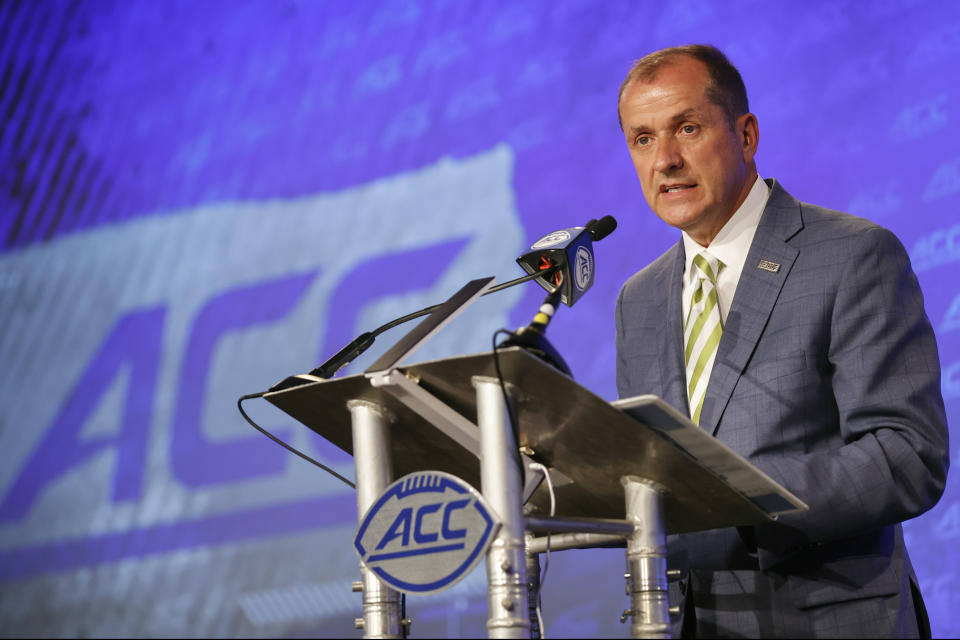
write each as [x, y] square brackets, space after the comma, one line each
[600, 229]
[569, 252]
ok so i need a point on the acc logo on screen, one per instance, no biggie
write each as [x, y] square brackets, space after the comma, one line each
[426, 532]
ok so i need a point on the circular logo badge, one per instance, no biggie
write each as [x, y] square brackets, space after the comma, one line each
[583, 268]
[551, 239]
[426, 532]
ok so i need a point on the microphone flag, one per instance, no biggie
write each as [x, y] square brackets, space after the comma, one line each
[571, 251]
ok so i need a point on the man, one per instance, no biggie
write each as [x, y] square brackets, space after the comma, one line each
[797, 336]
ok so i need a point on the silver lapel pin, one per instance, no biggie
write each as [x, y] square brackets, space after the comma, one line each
[766, 265]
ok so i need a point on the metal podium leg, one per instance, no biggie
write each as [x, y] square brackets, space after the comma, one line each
[501, 480]
[533, 589]
[647, 559]
[374, 470]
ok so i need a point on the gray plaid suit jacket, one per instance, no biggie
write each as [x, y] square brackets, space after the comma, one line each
[827, 378]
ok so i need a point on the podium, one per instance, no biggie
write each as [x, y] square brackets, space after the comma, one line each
[628, 472]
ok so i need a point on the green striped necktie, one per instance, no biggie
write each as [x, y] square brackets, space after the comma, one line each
[701, 330]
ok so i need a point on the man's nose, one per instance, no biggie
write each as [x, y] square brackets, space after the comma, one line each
[668, 157]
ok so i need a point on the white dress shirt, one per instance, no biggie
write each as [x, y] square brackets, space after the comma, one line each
[730, 247]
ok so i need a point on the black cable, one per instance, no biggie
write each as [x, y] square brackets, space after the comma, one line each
[281, 442]
[546, 561]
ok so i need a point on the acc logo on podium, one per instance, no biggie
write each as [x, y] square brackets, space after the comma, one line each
[426, 532]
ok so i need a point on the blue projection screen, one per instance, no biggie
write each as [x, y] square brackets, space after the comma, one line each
[198, 199]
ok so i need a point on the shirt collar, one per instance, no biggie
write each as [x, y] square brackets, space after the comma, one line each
[732, 243]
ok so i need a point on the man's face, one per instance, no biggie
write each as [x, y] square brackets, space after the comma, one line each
[695, 171]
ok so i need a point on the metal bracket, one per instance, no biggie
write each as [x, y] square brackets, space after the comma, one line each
[432, 409]
[452, 424]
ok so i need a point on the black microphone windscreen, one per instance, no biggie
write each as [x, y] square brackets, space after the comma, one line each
[601, 228]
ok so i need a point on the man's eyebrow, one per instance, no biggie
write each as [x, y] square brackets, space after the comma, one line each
[686, 114]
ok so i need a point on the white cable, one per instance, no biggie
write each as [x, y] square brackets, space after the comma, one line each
[536, 466]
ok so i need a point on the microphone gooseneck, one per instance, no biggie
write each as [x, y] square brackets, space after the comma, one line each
[533, 339]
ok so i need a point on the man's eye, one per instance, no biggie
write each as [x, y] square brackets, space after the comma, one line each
[642, 141]
[689, 128]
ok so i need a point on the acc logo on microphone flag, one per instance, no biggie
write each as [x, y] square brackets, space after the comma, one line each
[426, 531]
[583, 268]
[551, 239]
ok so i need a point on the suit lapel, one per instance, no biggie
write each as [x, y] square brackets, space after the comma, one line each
[670, 334]
[753, 302]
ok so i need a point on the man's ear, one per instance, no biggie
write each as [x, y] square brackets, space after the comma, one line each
[748, 135]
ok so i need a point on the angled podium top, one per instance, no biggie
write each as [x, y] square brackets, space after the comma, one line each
[592, 442]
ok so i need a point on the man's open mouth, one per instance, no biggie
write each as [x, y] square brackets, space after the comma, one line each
[675, 188]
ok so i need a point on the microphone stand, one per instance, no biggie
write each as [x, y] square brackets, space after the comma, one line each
[533, 337]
